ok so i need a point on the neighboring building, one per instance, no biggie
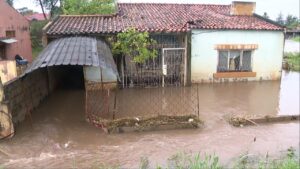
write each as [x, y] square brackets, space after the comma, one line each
[36, 17]
[14, 34]
[196, 43]
[292, 33]
[14, 39]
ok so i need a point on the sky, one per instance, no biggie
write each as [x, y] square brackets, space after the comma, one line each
[272, 7]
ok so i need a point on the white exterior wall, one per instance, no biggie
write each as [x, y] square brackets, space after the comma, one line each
[266, 59]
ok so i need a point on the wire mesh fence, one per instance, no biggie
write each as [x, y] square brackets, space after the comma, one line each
[141, 102]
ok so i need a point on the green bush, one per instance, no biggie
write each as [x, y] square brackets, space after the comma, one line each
[293, 60]
[297, 39]
[74, 7]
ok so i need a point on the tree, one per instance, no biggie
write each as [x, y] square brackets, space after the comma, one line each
[266, 15]
[291, 21]
[89, 7]
[51, 5]
[10, 2]
[279, 19]
[136, 45]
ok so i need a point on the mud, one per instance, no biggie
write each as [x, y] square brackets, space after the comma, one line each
[59, 136]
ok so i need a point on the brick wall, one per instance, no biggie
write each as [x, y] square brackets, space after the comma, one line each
[26, 93]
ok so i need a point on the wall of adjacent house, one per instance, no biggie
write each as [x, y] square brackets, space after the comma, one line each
[266, 59]
[11, 20]
[8, 70]
[26, 93]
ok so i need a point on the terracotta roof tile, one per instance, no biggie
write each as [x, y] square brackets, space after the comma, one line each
[159, 18]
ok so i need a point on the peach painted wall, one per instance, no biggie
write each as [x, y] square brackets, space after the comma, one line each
[10, 19]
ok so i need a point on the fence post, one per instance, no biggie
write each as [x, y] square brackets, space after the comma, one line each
[198, 100]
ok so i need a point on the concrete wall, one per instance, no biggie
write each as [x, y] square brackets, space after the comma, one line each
[25, 93]
[8, 70]
[266, 59]
[10, 19]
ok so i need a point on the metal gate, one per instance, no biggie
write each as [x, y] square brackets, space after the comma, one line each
[173, 66]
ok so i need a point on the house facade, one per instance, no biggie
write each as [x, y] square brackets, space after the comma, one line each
[14, 39]
[196, 43]
[14, 34]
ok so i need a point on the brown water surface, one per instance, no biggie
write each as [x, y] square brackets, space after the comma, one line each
[59, 136]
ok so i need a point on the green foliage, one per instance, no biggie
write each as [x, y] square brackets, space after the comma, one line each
[290, 22]
[144, 163]
[185, 161]
[296, 39]
[73, 7]
[51, 5]
[293, 60]
[36, 33]
[289, 161]
[135, 45]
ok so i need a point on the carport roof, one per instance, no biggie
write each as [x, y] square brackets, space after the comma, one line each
[74, 51]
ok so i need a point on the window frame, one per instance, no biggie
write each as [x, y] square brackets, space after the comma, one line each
[10, 33]
[241, 59]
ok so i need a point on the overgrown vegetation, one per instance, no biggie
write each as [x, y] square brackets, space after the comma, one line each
[247, 161]
[296, 39]
[293, 61]
[134, 44]
[290, 21]
[72, 7]
[36, 33]
[187, 161]
[288, 161]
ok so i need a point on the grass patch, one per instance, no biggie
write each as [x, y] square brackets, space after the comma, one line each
[293, 61]
[288, 161]
[183, 160]
[296, 39]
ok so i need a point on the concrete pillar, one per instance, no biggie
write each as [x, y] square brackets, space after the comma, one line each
[6, 124]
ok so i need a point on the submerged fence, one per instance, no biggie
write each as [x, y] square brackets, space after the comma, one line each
[141, 102]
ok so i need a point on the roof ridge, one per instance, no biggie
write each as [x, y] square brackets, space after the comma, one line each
[160, 3]
[89, 15]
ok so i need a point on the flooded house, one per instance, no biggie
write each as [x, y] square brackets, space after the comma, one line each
[14, 39]
[196, 43]
[207, 43]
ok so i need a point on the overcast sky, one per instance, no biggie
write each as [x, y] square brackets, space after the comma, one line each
[272, 7]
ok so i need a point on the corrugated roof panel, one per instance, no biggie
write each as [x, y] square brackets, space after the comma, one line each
[83, 51]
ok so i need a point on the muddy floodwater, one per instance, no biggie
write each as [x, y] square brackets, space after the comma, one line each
[59, 136]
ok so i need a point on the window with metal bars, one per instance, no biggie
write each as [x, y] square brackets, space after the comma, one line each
[235, 61]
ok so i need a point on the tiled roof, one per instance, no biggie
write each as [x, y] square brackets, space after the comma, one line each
[159, 18]
[36, 16]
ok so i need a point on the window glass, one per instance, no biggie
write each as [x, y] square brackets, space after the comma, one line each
[234, 60]
[223, 61]
[246, 65]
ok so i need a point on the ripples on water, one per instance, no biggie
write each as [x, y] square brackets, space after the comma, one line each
[60, 137]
